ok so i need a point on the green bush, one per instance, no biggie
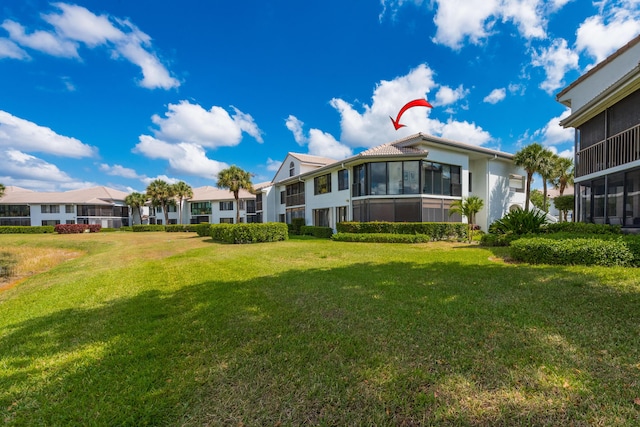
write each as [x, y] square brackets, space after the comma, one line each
[203, 229]
[125, 228]
[26, 229]
[633, 243]
[249, 233]
[177, 228]
[148, 227]
[434, 230]
[491, 239]
[581, 227]
[296, 225]
[519, 222]
[580, 251]
[320, 232]
[381, 238]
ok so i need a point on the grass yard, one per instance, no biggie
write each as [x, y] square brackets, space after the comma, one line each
[172, 329]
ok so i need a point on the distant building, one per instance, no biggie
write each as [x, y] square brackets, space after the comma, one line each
[605, 111]
[415, 179]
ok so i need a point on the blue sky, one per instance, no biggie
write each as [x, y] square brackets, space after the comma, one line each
[121, 92]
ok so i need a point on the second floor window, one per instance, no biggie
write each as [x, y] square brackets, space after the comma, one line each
[50, 208]
[226, 206]
[343, 179]
[322, 184]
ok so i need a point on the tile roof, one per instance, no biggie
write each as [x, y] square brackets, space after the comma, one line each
[89, 196]
[209, 193]
[392, 149]
[316, 160]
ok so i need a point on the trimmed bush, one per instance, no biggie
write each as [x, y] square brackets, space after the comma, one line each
[77, 228]
[320, 232]
[147, 227]
[381, 238]
[176, 228]
[249, 233]
[203, 229]
[296, 225]
[125, 228]
[434, 230]
[582, 227]
[26, 229]
[603, 252]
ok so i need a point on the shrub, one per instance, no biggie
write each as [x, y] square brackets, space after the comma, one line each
[203, 229]
[77, 228]
[519, 222]
[249, 233]
[633, 243]
[582, 227]
[108, 230]
[434, 230]
[296, 225]
[26, 229]
[177, 228]
[125, 228]
[381, 238]
[147, 227]
[603, 252]
[320, 232]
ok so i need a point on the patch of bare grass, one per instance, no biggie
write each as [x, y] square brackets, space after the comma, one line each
[31, 261]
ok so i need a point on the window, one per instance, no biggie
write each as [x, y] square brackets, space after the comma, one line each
[283, 197]
[282, 218]
[14, 210]
[70, 221]
[292, 169]
[411, 177]
[226, 206]
[201, 208]
[258, 202]
[49, 209]
[69, 209]
[294, 213]
[99, 210]
[343, 179]
[394, 184]
[321, 217]
[295, 194]
[470, 181]
[516, 183]
[341, 214]
[378, 178]
[441, 179]
[50, 222]
[251, 206]
[359, 181]
[172, 208]
[322, 184]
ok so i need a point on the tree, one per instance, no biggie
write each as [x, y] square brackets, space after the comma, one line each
[234, 179]
[160, 194]
[537, 199]
[182, 191]
[529, 158]
[546, 169]
[136, 201]
[2, 190]
[563, 173]
[564, 204]
[467, 207]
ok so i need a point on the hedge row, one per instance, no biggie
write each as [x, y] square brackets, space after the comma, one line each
[581, 227]
[176, 228]
[26, 229]
[249, 233]
[434, 230]
[147, 227]
[77, 228]
[579, 251]
[381, 238]
[320, 232]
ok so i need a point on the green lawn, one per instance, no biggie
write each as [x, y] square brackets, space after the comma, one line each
[172, 329]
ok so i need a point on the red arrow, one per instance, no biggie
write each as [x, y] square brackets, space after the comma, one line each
[414, 103]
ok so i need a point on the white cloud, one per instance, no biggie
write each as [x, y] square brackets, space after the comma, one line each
[21, 165]
[184, 157]
[27, 136]
[517, 89]
[556, 60]
[495, 96]
[75, 24]
[43, 41]
[119, 170]
[553, 134]
[148, 179]
[465, 132]
[602, 34]
[186, 122]
[9, 49]
[273, 165]
[446, 96]
[325, 145]
[295, 126]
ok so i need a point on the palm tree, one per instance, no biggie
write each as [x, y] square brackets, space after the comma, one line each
[468, 207]
[2, 189]
[182, 191]
[136, 201]
[234, 179]
[546, 171]
[160, 194]
[563, 174]
[529, 158]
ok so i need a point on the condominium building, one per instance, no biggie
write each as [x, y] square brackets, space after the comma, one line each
[605, 112]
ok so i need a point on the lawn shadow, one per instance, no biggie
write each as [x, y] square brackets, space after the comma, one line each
[399, 343]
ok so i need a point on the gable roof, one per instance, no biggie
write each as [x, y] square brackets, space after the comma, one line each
[209, 193]
[312, 160]
[87, 196]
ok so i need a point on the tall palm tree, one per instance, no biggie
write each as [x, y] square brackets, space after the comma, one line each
[563, 175]
[546, 171]
[468, 207]
[234, 179]
[2, 190]
[160, 193]
[529, 158]
[136, 201]
[182, 191]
